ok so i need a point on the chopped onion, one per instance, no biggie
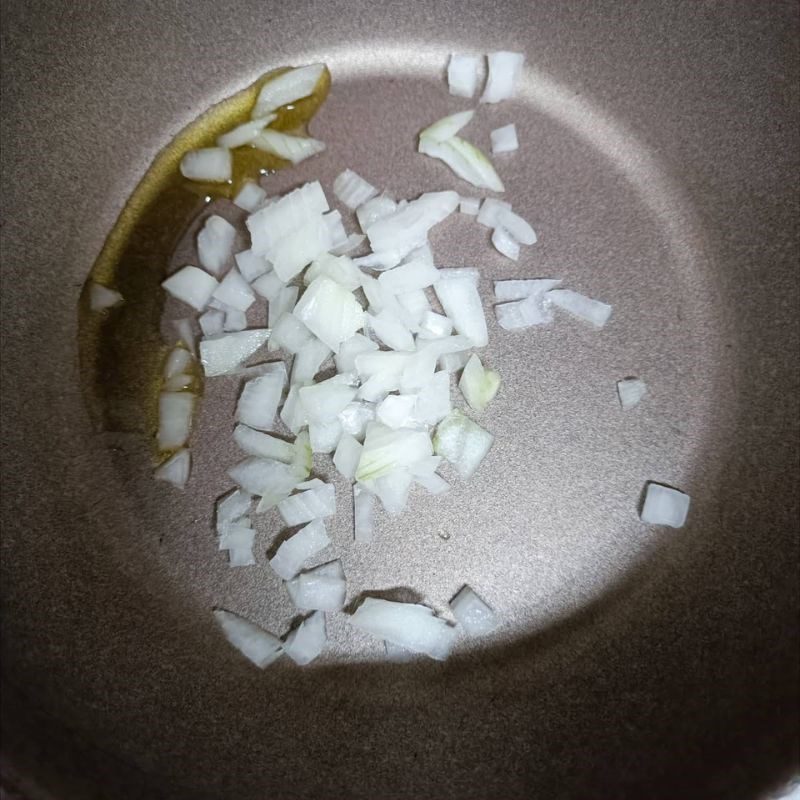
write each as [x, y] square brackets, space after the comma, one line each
[293, 413]
[410, 625]
[472, 613]
[580, 306]
[101, 297]
[290, 334]
[284, 216]
[308, 640]
[299, 248]
[292, 148]
[452, 362]
[174, 419]
[263, 445]
[363, 513]
[533, 310]
[299, 548]
[232, 507]
[391, 331]
[355, 418]
[250, 265]
[212, 322]
[491, 208]
[396, 411]
[322, 589]
[244, 134]
[386, 450]
[215, 243]
[392, 490]
[434, 326]
[324, 401]
[333, 219]
[397, 654]
[505, 244]
[504, 140]
[408, 277]
[340, 269]
[447, 127]
[520, 289]
[350, 244]
[237, 536]
[432, 403]
[631, 391]
[324, 435]
[293, 85]
[192, 286]
[222, 354]
[235, 292]
[504, 67]
[350, 349]
[458, 293]
[266, 478]
[241, 557]
[211, 164]
[462, 442]
[330, 312]
[352, 189]
[235, 320]
[415, 305]
[252, 642]
[477, 384]
[282, 303]
[516, 227]
[407, 228]
[177, 362]
[177, 382]
[259, 400]
[347, 455]
[466, 160]
[374, 209]
[185, 331]
[175, 470]
[664, 505]
[250, 196]
[311, 504]
[308, 360]
[469, 206]
[435, 484]
[269, 286]
[462, 74]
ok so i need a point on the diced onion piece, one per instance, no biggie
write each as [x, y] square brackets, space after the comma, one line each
[324, 401]
[469, 206]
[491, 208]
[396, 411]
[308, 360]
[407, 228]
[174, 419]
[292, 148]
[263, 445]
[504, 67]
[533, 310]
[580, 306]
[290, 334]
[260, 398]
[352, 189]
[282, 303]
[177, 362]
[245, 133]
[185, 331]
[224, 353]
[462, 74]
[408, 277]
[435, 484]
[295, 84]
[386, 450]
[374, 209]
[388, 328]
[232, 507]
[101, 297]
[252, 642]
[347, 456]
[664, 505]
[212, 322]
[432, 403]
[410, 625]
[324, 435]
[237, 536]
[477, 384]
[209, 164]
[363, 513]
[323, 588]
[241, 557]
[250, 265]
[175, 470]
[516, 227]
[250, 196]
[266, 478]
[192, 286]
[307, 641]
[631, 391]
[235, 292]
[293, 412]
[452, 362]
[458, 293]
[415, 305]
[177, 382]
[505, 244]
[299, 548]
[472, 613]
[299, 248]
[397, 654]
[466, 160]
[269, 285]
[351, 243]
[434, 326]
[340, 269]
[235, 320]
[462, 442]
[520, 289]
[312, 504]
[330, 312]
[447, 127]
[504, 140]
[392, 490]
[355, 418]
[333, 219]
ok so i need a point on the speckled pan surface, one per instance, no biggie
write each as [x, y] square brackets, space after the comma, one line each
[659, 163]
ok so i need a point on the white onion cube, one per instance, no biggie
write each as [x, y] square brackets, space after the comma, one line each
[191, 285]
[462, 74]
[298, 548]
[215, 243]
[472, 613]
[253, 642]
[307, 640]
[631, 391]
[664, 505]
[504, 140]
[312, 504]
[212, 164]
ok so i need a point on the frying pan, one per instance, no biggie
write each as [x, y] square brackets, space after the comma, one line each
[659, 163]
